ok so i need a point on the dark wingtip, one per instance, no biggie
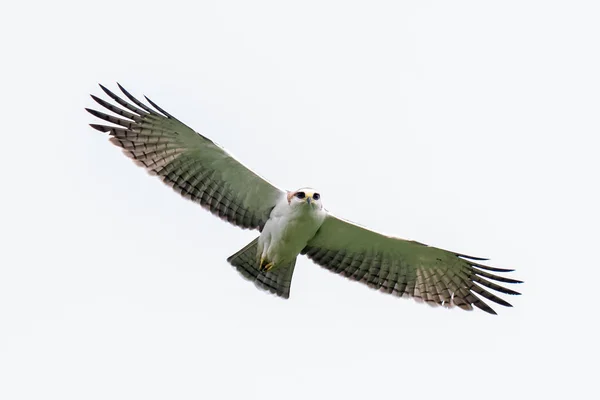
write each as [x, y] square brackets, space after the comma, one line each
[471, 257]
[508, 280]
[125, 92]
[97, 99]
[104, 89]
[486, 308]
[510, 292]
[101, 128]
[94, 112]
[503, 303]
[488, 268]
[158, 108]
[136, 101]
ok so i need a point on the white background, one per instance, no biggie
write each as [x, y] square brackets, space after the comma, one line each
[468, 125]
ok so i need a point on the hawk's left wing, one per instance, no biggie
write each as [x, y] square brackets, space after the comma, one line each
[405, 268]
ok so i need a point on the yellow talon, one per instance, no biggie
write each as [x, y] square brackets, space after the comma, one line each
[269, 266]
[264, 266]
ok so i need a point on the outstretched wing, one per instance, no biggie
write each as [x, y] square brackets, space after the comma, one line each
[189, 162]
[405, 268]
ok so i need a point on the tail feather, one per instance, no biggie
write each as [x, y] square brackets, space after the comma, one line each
[278, 280]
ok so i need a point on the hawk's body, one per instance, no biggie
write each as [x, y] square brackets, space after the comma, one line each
[290, 223]
[289, 228]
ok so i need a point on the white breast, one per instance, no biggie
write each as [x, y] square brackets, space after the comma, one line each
[288, 230]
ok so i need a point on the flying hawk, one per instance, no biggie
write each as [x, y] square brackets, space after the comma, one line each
[290, 222]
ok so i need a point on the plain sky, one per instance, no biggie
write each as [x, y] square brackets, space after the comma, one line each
[468, 125]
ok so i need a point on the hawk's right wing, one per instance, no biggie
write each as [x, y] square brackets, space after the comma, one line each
[406, 268]
[192, 164]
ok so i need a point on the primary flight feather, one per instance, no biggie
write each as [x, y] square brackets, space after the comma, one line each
[290, 222]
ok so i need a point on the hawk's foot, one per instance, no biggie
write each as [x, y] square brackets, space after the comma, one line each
[264, 265]
[269, 266]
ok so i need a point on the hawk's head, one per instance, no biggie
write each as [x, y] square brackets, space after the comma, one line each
[305, 197]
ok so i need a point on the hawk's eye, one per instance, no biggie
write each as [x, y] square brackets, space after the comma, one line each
[300, 195]
[316, 196]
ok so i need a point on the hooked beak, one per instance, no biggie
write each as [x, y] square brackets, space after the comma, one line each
[308, 199]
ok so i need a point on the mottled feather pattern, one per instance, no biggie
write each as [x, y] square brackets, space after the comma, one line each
[190, 163]
[449, 285]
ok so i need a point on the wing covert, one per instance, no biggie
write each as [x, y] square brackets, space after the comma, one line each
[406, 268]
[190, 163]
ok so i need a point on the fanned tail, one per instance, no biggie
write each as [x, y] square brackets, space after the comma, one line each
[277, 280]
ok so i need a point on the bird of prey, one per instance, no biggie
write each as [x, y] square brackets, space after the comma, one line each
[290, 222]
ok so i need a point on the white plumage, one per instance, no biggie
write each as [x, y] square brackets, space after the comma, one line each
[291, 225]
